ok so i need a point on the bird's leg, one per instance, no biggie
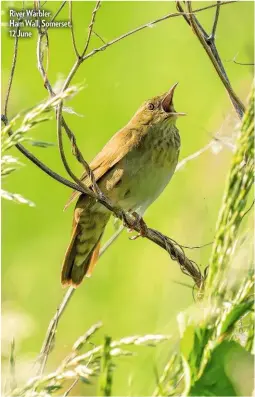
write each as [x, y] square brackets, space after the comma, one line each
[139, 222]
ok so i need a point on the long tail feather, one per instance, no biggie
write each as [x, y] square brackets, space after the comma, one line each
[83, 250]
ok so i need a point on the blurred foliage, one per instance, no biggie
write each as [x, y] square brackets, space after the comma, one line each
[238, 187]
[135, 293]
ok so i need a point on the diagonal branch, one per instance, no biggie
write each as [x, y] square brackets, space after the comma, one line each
[216, 19]
[14, 61]
[91, 27]
[58, 11]
[72, 30]
[62, 154]
[208, 43]
[49, 340]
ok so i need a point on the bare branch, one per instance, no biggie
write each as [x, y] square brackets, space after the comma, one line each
[78, 155]
[185, 16]
[96, 34]
[91, 27]
[208, 43]
[62, 153]
[111, 240]
[40, 52]
[58, 11]
[216, 18]
[243, 64]
[51, 331]
[183, 162]
[72, 30]
[240, 63]
[14, 61]
[71, 387]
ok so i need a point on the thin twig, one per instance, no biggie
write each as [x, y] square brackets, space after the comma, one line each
[51, 331]
[196, 246]
[72, 30]
[62, 153]
[14, 61]
[210, 39]
[93, 18]
[58, 11]
[239, 63]
[243, 64]
[71, 387]
[111, 240]
[96, 34]
[183, 162]
[78, 155]
[216, 18]
[40, 66]
[211, 50]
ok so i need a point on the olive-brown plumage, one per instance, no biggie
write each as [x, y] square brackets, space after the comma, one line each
[132, 170]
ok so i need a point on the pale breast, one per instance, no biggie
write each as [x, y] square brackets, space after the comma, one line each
[141, 176]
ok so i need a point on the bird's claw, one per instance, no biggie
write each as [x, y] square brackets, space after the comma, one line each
[139, 222]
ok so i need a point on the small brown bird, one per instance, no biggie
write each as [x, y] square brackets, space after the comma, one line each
[132, 169]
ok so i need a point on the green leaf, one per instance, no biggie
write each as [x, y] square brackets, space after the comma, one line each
[229, 372]
[193, 343]
[235, 314]
[42, 144]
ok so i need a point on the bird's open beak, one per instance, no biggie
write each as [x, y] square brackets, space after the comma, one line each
[167, 102]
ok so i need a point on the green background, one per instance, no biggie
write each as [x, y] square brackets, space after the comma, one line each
[134, 287]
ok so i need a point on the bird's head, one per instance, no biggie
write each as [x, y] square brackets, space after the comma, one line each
[157, 109]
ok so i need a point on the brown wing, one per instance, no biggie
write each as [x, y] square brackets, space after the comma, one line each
[118, 146]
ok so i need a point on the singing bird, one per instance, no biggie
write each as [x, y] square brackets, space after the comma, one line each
[132, 170]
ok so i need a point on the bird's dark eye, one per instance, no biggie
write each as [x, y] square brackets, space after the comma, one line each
[151, 106]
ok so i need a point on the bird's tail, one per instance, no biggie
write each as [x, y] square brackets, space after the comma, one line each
[83, 250]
